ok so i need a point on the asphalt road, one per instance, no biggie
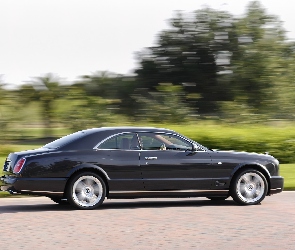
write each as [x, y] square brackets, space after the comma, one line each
[38, 223]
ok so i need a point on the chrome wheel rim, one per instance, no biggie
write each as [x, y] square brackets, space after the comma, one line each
[250, 187]
[87, 191]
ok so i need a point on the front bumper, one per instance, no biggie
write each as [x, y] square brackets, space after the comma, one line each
[276, 185]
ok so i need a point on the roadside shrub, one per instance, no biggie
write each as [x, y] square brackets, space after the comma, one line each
[5, 150]
[277, 141]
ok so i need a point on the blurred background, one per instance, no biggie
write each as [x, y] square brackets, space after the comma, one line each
[222, 73]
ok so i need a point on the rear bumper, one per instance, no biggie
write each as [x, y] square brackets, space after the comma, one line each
[276, 185]
[7, 184]
[16, 185]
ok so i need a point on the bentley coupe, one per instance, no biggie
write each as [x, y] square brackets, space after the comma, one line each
[84, 168]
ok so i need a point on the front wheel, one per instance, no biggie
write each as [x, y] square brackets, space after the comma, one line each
[249, 187]
[86, 190]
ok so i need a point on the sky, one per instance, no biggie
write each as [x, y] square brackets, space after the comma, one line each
[71, 38]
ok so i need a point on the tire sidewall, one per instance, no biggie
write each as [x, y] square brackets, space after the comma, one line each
[233, 189]
[69, 191]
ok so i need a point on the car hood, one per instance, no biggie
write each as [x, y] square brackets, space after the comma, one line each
[243, 156]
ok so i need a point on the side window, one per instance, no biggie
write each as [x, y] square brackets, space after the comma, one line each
[122, 141]
[162, 141]
[176, 142]
[149, 142]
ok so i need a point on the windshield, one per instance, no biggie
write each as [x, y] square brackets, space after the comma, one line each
[64, 140]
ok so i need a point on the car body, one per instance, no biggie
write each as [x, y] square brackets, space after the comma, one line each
[137, 162]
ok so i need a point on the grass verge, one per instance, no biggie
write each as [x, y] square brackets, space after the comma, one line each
[288, 172]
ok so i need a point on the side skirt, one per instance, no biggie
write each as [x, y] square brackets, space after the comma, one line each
[166, 194]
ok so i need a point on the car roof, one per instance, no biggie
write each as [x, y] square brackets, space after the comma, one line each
[129, 129]
[90, 137]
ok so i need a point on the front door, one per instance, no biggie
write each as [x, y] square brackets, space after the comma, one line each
[168, 163]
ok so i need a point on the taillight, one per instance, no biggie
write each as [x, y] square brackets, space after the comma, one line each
[19, 165]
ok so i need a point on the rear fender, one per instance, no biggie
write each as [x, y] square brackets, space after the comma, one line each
[87, 167]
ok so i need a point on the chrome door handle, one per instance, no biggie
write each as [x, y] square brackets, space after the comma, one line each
[151, 158]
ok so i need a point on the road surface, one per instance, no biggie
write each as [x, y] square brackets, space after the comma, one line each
[195, 223]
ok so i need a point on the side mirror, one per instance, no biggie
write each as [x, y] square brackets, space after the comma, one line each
[194, 148]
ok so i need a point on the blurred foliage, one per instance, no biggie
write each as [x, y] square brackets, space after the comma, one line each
[223, 59]
[208, 65]
[278, 141]
[44, 90]
[165, 104]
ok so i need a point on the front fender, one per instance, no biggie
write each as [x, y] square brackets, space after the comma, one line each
[257, 166]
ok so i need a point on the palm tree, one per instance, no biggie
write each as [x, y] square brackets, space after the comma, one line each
[45, 90]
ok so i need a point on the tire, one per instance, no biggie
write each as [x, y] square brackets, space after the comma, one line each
[60, 201]
[249, 187]
[217, 198]
[86, 190]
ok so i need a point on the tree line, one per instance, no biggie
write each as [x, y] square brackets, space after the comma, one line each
[208, 64]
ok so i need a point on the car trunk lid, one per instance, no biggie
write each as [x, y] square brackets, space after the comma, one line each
[12, 158]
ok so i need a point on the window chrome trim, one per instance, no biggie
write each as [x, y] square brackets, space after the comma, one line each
[200, 147]
[109, 137]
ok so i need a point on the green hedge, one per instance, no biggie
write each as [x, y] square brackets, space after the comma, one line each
[6, 149]
[277, 141]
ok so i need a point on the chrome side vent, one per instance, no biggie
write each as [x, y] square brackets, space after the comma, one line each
[218, 184]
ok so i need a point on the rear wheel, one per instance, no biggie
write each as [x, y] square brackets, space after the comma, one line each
[249, 187]
[86, 190]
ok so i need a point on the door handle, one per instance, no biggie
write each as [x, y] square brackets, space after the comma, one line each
[151, 158]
